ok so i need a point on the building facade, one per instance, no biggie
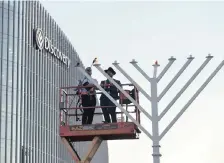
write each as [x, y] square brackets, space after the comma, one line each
[36, 59]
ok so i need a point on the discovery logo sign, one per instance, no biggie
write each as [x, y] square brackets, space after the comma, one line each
[43, 42]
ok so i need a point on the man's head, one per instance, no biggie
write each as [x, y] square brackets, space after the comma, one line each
[110, 71]
[89, 71]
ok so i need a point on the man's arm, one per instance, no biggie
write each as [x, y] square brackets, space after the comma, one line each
[89, 85]
[114, 88]
[119, 83]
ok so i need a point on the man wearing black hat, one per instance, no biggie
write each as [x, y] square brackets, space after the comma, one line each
[104, 101]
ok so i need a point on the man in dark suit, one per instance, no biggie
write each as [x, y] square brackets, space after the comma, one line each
[104, 101]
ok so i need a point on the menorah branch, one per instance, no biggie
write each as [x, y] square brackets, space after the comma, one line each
[131, 80]
[208, 58]
[124, 92]
[192, 99]
[169, 64]
[134, 63]
[175, 78]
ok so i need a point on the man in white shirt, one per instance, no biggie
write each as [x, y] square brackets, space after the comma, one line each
[88, 99]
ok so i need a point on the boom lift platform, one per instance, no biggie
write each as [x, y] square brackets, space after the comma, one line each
[71, 110]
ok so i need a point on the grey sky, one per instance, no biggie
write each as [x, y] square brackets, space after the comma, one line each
[149, 31]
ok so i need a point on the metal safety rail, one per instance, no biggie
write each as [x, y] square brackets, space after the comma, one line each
[71, 103]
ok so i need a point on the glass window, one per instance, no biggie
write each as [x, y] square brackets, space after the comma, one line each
[9, 103]
[20, 25]
[20, 52]
[18, 77]
[34, 60]
[1, 44]
[15, 52]
[1, 19]
[4, 72]
[8, 148]
[10, 26]
[4, 42]
[37, 87]
[24, 8]
[37, 60]
[2, 149]
[34, 85]
[21, 10]
[18, 4]
[13, 149]
[11, 5]
[5, 21]
[10, 70]
[3, 112]
[10, 48]
[47, 68]
[23, 33]
[23, 79]
[16, 7]
[14, 80]
[30, 84]
[21, 96]
[14, 101]
[23, 54]
[5, 4]
[18, 104]
[16, 26]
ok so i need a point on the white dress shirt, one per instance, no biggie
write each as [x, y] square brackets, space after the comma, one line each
[87, 80]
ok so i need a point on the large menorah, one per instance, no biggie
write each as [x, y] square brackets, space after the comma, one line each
[155, 98]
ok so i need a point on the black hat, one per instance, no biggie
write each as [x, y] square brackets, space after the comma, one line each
[88, 69]
[111, 70]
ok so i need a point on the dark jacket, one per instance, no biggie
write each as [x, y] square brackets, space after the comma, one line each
[113, 91]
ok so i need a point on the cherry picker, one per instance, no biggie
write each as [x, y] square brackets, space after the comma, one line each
[71, 108]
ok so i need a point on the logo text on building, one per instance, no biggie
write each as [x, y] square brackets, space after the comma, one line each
[43, 42]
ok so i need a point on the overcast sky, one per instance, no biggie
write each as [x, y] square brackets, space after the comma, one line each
[149, 31]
